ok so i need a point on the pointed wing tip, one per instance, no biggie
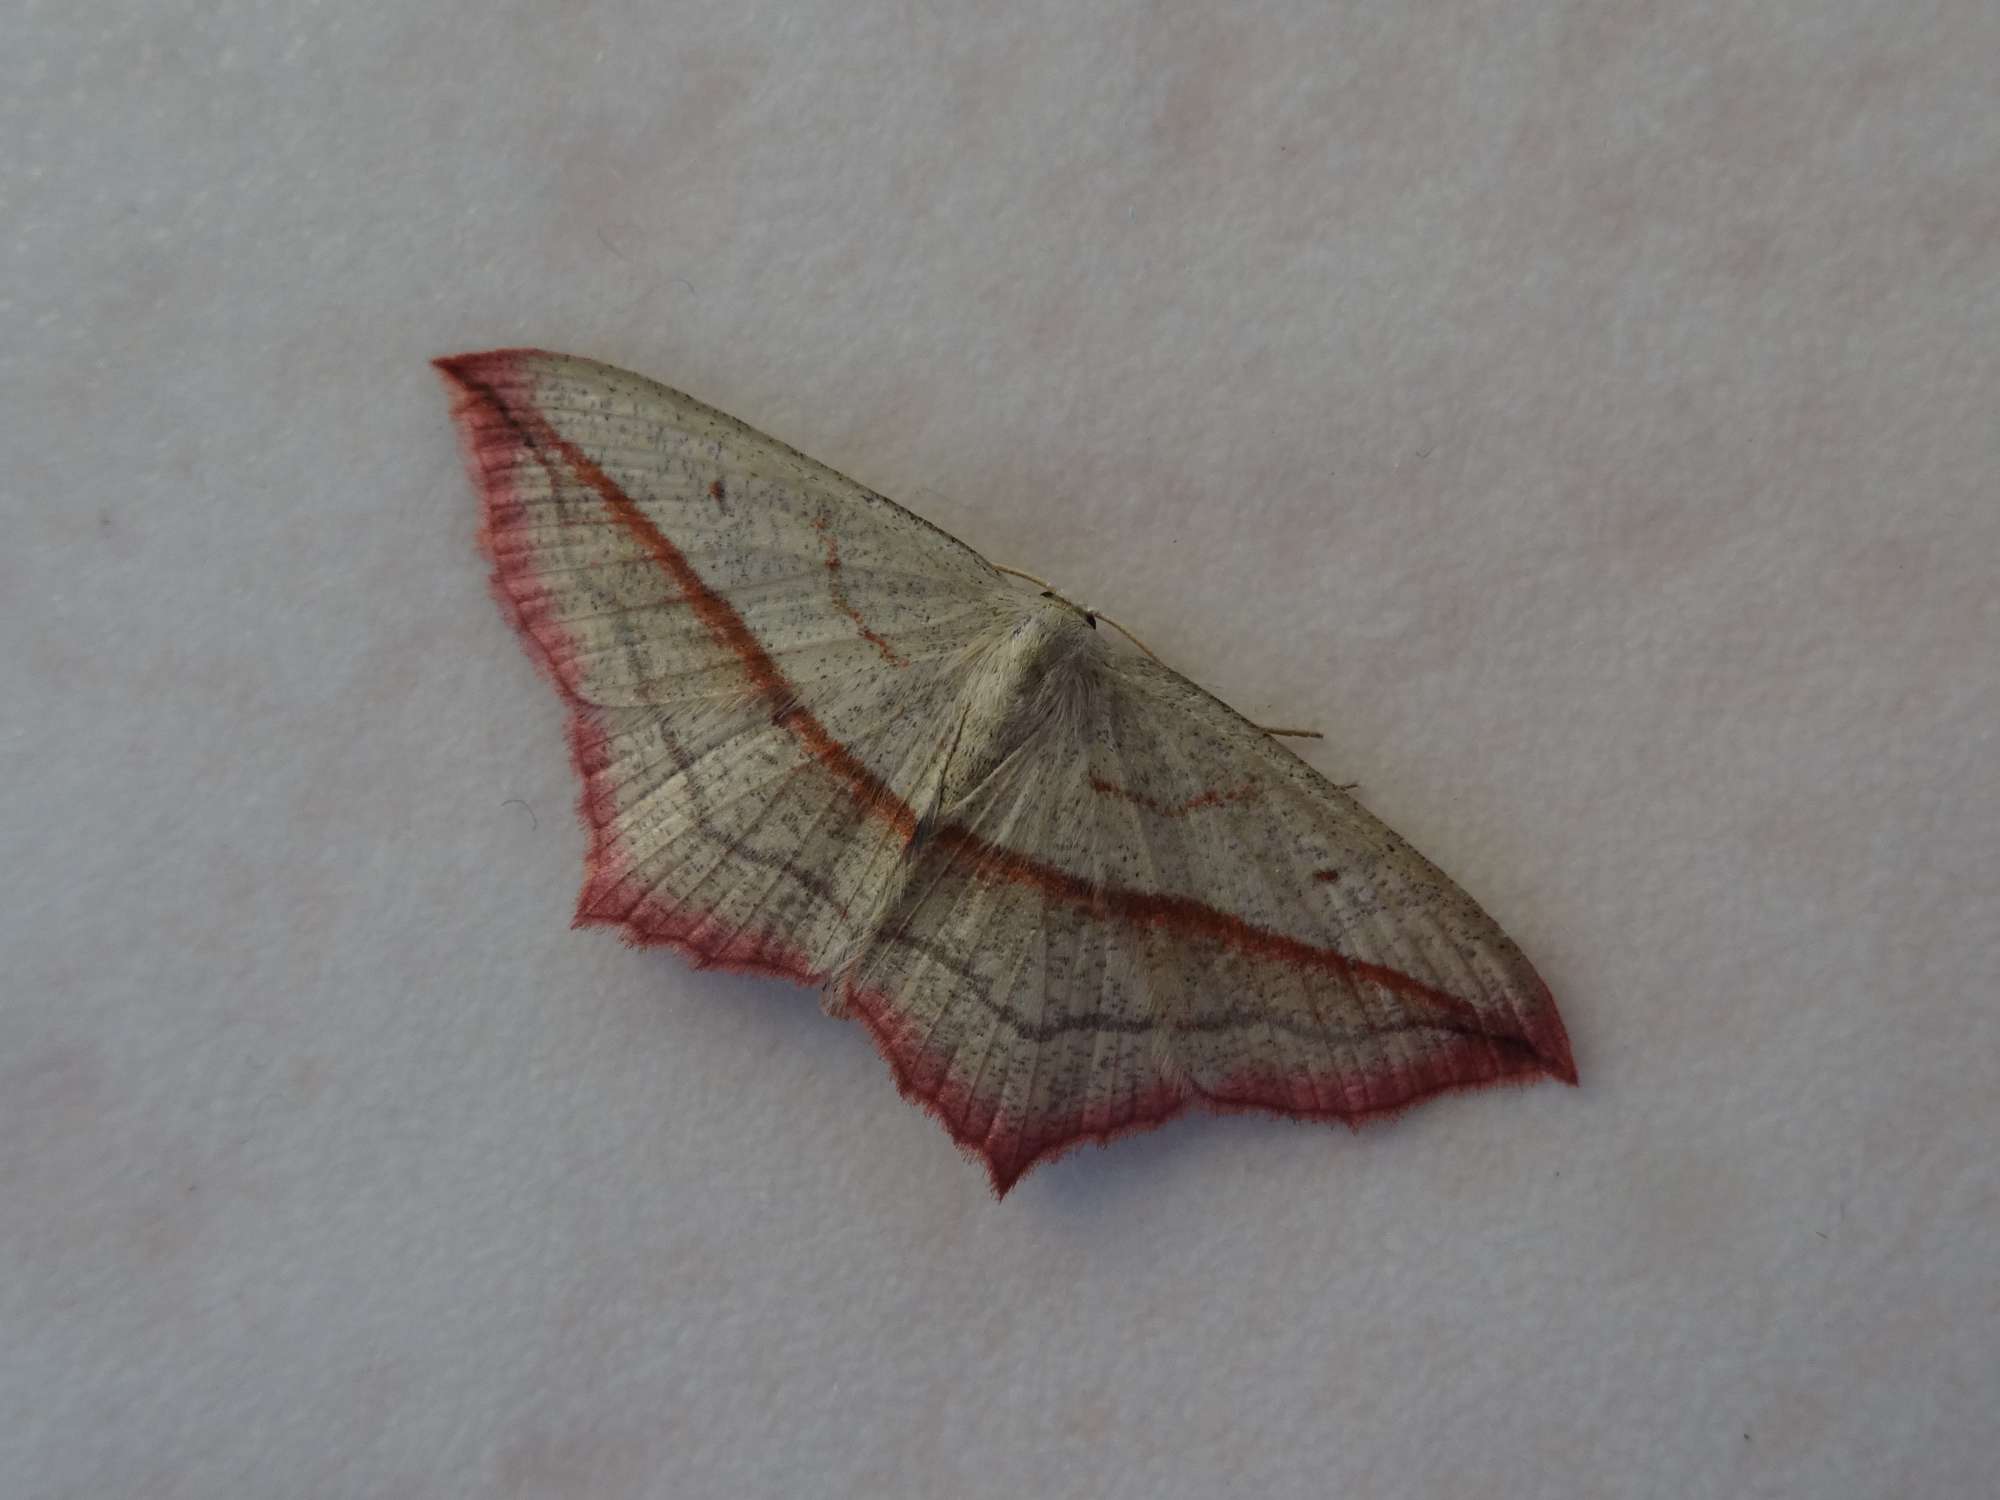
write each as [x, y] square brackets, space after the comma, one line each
[468, 372]
[474, 383]
[1550, 1042]
[1005, 1169]
[1008, 1162]
[459, 370]
[1001, 1179]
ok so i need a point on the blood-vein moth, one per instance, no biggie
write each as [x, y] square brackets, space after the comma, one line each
[1069, 893]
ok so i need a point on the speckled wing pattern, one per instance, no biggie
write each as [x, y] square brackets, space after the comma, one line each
[1069, 893]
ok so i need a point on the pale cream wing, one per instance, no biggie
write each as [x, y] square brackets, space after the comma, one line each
[759, 653]
[655, 550]
[1152, 905]
[724, 834]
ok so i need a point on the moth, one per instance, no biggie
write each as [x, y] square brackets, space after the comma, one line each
[1068, 892]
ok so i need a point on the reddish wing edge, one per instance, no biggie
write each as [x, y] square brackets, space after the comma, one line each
[512, 433]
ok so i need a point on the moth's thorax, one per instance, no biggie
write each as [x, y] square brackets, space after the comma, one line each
[1050, 633]
[1031, 669]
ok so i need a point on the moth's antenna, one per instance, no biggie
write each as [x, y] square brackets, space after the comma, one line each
[1128, 635]
[1000, 568]
[1297, 734]
[1095, 614]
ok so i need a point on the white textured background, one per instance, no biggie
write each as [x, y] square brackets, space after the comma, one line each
[1589, 413]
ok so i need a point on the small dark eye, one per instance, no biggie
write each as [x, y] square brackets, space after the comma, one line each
[1090, 619]
[1048, 593]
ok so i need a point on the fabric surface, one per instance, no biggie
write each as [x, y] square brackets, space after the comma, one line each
[1584, 413]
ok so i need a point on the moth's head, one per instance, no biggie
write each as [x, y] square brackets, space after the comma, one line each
[1089, 615]
[1051, 648]
[1049, 630]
